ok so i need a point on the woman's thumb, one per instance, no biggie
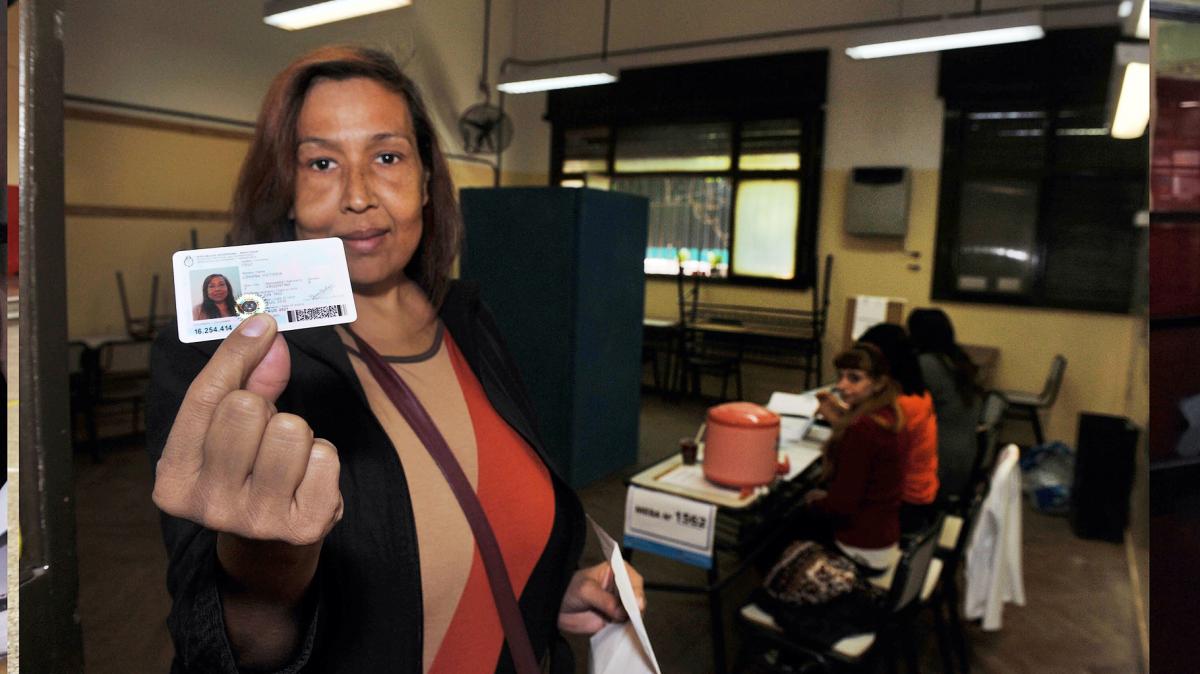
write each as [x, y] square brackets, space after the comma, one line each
[271, 375]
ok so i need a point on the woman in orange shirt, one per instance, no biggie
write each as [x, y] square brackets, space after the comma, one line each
[919, 439]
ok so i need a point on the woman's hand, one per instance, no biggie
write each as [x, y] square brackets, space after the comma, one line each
[591, 602]
[829, 407]
[258, 478]
[234, 465]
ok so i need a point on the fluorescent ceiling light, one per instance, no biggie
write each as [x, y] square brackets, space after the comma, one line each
[1131, 78]
[1133, 108]
[1143, 25]
[974, 31]
[545, 78]
[298, 14]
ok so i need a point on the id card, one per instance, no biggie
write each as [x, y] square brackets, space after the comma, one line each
[302, 284]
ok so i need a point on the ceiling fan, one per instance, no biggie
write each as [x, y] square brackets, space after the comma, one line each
[485, 127]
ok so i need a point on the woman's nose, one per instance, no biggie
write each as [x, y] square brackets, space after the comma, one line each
[357, 195]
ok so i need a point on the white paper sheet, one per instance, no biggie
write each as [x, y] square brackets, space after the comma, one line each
[868, 310]
[793, 429]
[793, 404]
[621, 648]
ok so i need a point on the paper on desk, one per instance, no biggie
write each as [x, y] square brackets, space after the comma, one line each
[793, 404]
[621, 648]
[793, 429]
[868, 310]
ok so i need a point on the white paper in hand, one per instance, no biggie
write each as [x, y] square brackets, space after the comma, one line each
[621, 648]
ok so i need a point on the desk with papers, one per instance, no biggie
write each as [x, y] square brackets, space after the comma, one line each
[747, 522]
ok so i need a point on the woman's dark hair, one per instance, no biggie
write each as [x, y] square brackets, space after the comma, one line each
[932, 332]
[901, 356]
[266, 188]
[208, 307]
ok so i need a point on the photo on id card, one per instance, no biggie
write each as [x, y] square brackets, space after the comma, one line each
[302, 284]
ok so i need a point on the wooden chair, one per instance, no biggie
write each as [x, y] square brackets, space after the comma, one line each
[142, 327]
[1027, 405]
[114, 374]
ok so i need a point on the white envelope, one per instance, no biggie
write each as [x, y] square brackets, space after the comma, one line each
[621, 648]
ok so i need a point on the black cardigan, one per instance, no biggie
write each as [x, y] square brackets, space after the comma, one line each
[367, 591]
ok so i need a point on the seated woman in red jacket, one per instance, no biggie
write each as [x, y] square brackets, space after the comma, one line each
[863, 463]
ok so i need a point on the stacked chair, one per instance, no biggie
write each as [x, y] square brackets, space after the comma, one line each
[698, 355]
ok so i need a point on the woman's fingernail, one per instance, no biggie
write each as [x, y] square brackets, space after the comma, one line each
[255, 326]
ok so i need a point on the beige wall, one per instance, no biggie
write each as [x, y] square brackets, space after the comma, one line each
[130, 166]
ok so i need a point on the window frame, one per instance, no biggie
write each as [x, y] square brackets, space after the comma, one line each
[956, 122]
[811, 145]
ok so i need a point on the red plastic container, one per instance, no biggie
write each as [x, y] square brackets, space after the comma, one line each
[741, 445]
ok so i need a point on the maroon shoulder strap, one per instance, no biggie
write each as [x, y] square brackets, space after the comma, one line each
[489, 550]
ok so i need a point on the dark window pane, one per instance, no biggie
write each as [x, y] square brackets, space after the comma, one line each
[770, 145]
[586, 150]
[1090, 242]
[1004, 141]
[679, 147]
[1083, 143]
[997, 237]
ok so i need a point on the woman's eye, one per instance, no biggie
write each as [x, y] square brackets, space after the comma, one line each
[390, 158]
[321, 164]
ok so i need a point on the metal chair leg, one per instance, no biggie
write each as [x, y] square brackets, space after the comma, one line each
[1037, 425]
[939, 626]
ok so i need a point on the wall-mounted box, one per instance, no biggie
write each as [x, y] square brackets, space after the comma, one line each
[877, 201]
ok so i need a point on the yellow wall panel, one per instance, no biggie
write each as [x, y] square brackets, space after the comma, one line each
[124, 165]
[139, 248]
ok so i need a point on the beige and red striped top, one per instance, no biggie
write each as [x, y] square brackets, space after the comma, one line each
[462, 628]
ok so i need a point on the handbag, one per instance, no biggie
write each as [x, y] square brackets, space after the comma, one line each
[819, 595]
[808, 573]
[419, 420]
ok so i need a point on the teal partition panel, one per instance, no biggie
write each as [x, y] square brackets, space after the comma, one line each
[561, 269]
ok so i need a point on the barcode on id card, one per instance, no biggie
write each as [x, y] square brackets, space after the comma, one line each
[315, 313]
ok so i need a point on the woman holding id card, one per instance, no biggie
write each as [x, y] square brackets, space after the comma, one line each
[371, 496]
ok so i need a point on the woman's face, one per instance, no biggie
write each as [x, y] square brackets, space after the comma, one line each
[855, 386]
[359, 176]
[217, 290]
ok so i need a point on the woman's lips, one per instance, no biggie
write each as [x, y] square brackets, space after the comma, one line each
[365, 241]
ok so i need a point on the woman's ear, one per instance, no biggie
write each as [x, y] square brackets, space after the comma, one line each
[425, 190]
